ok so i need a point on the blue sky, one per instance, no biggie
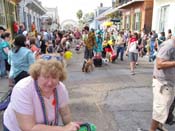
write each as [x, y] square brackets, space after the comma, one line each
[67, 8]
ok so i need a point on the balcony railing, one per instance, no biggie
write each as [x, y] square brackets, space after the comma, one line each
[121, 2]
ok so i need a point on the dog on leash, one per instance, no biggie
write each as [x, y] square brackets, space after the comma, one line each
[88, 66]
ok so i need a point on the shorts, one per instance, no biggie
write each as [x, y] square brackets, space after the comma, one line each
[163, 96]
[88, 53]
[133, 57]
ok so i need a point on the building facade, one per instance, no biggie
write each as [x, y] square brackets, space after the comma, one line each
[31, 11]
[50, 21]
[100, 16]
[8, 13]
[136, 14]
[163, 16]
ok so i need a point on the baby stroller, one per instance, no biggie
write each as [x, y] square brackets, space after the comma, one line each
[78, 47]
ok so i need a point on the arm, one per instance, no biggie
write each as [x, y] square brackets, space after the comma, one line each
[31, 58]
[6, 50]
[164, 64]
[27, 123]
[65, 114]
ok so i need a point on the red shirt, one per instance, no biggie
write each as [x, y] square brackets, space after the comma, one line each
[15, 27]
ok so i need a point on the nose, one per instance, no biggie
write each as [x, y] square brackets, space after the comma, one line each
[49, 82]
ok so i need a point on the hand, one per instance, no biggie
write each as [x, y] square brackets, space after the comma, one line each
[126, 53]
[72, 126]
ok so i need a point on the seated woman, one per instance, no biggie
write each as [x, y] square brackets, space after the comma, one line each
[40, 102]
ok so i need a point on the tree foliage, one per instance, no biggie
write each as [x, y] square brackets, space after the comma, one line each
[84, 19]
[79, 14]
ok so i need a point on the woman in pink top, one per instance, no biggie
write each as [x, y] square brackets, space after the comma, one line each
[40, 102]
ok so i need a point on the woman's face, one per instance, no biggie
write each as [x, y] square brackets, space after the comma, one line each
[47, 82]
[8, 38]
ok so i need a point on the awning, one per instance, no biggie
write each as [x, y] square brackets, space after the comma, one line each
[128, 3]
[115, 20]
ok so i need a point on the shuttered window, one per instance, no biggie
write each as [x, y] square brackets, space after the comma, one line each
[137, 21]
[127, 21]
[2, 14]
[163, 17]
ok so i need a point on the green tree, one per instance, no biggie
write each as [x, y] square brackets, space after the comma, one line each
[79, 14]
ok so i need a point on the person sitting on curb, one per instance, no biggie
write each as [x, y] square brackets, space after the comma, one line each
[39, 102]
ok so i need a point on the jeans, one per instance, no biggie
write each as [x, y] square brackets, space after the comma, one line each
[121, 51]
[2, 66]
[152, 45]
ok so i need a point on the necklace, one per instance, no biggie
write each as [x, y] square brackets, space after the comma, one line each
[55, 103]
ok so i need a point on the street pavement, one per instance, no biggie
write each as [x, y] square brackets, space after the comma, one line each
[110, 97]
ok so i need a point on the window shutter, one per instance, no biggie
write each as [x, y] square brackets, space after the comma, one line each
[129, 27]
[133, 22]
[140, 21]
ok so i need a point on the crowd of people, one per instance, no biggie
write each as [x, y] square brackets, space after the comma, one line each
[43, 79]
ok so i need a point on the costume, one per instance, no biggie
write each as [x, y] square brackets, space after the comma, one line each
[90, 42]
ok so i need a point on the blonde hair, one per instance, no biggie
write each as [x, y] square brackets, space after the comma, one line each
[50, 67]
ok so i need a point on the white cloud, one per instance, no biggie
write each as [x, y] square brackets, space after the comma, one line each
[67, 8]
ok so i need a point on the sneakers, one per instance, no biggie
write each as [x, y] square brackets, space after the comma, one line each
[161, 128]
[132, 73]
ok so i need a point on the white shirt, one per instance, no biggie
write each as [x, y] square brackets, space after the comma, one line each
[133, 47]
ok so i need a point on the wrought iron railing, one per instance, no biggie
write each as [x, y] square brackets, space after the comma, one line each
[121, 2]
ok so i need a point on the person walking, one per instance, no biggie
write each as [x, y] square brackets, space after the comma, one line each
[132, 51]
[5, 47]
[90, 42]
[163, 84]
[120, 45]
[2, 61]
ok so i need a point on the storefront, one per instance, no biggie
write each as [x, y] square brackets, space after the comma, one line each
[137, 15]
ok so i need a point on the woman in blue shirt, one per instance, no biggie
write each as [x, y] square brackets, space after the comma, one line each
[20, 58]
[5, 47]
[98, 48]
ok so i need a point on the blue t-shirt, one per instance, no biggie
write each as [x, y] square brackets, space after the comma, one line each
[3, 45]
[20, 61]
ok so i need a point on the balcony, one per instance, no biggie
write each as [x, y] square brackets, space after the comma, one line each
[124, 3]
[121, 2]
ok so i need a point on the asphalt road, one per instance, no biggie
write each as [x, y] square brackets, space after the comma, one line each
[109, 96]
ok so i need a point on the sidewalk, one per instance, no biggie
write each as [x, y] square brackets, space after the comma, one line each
[3, 87]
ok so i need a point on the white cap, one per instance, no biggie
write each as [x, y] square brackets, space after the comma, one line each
[25, 33]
